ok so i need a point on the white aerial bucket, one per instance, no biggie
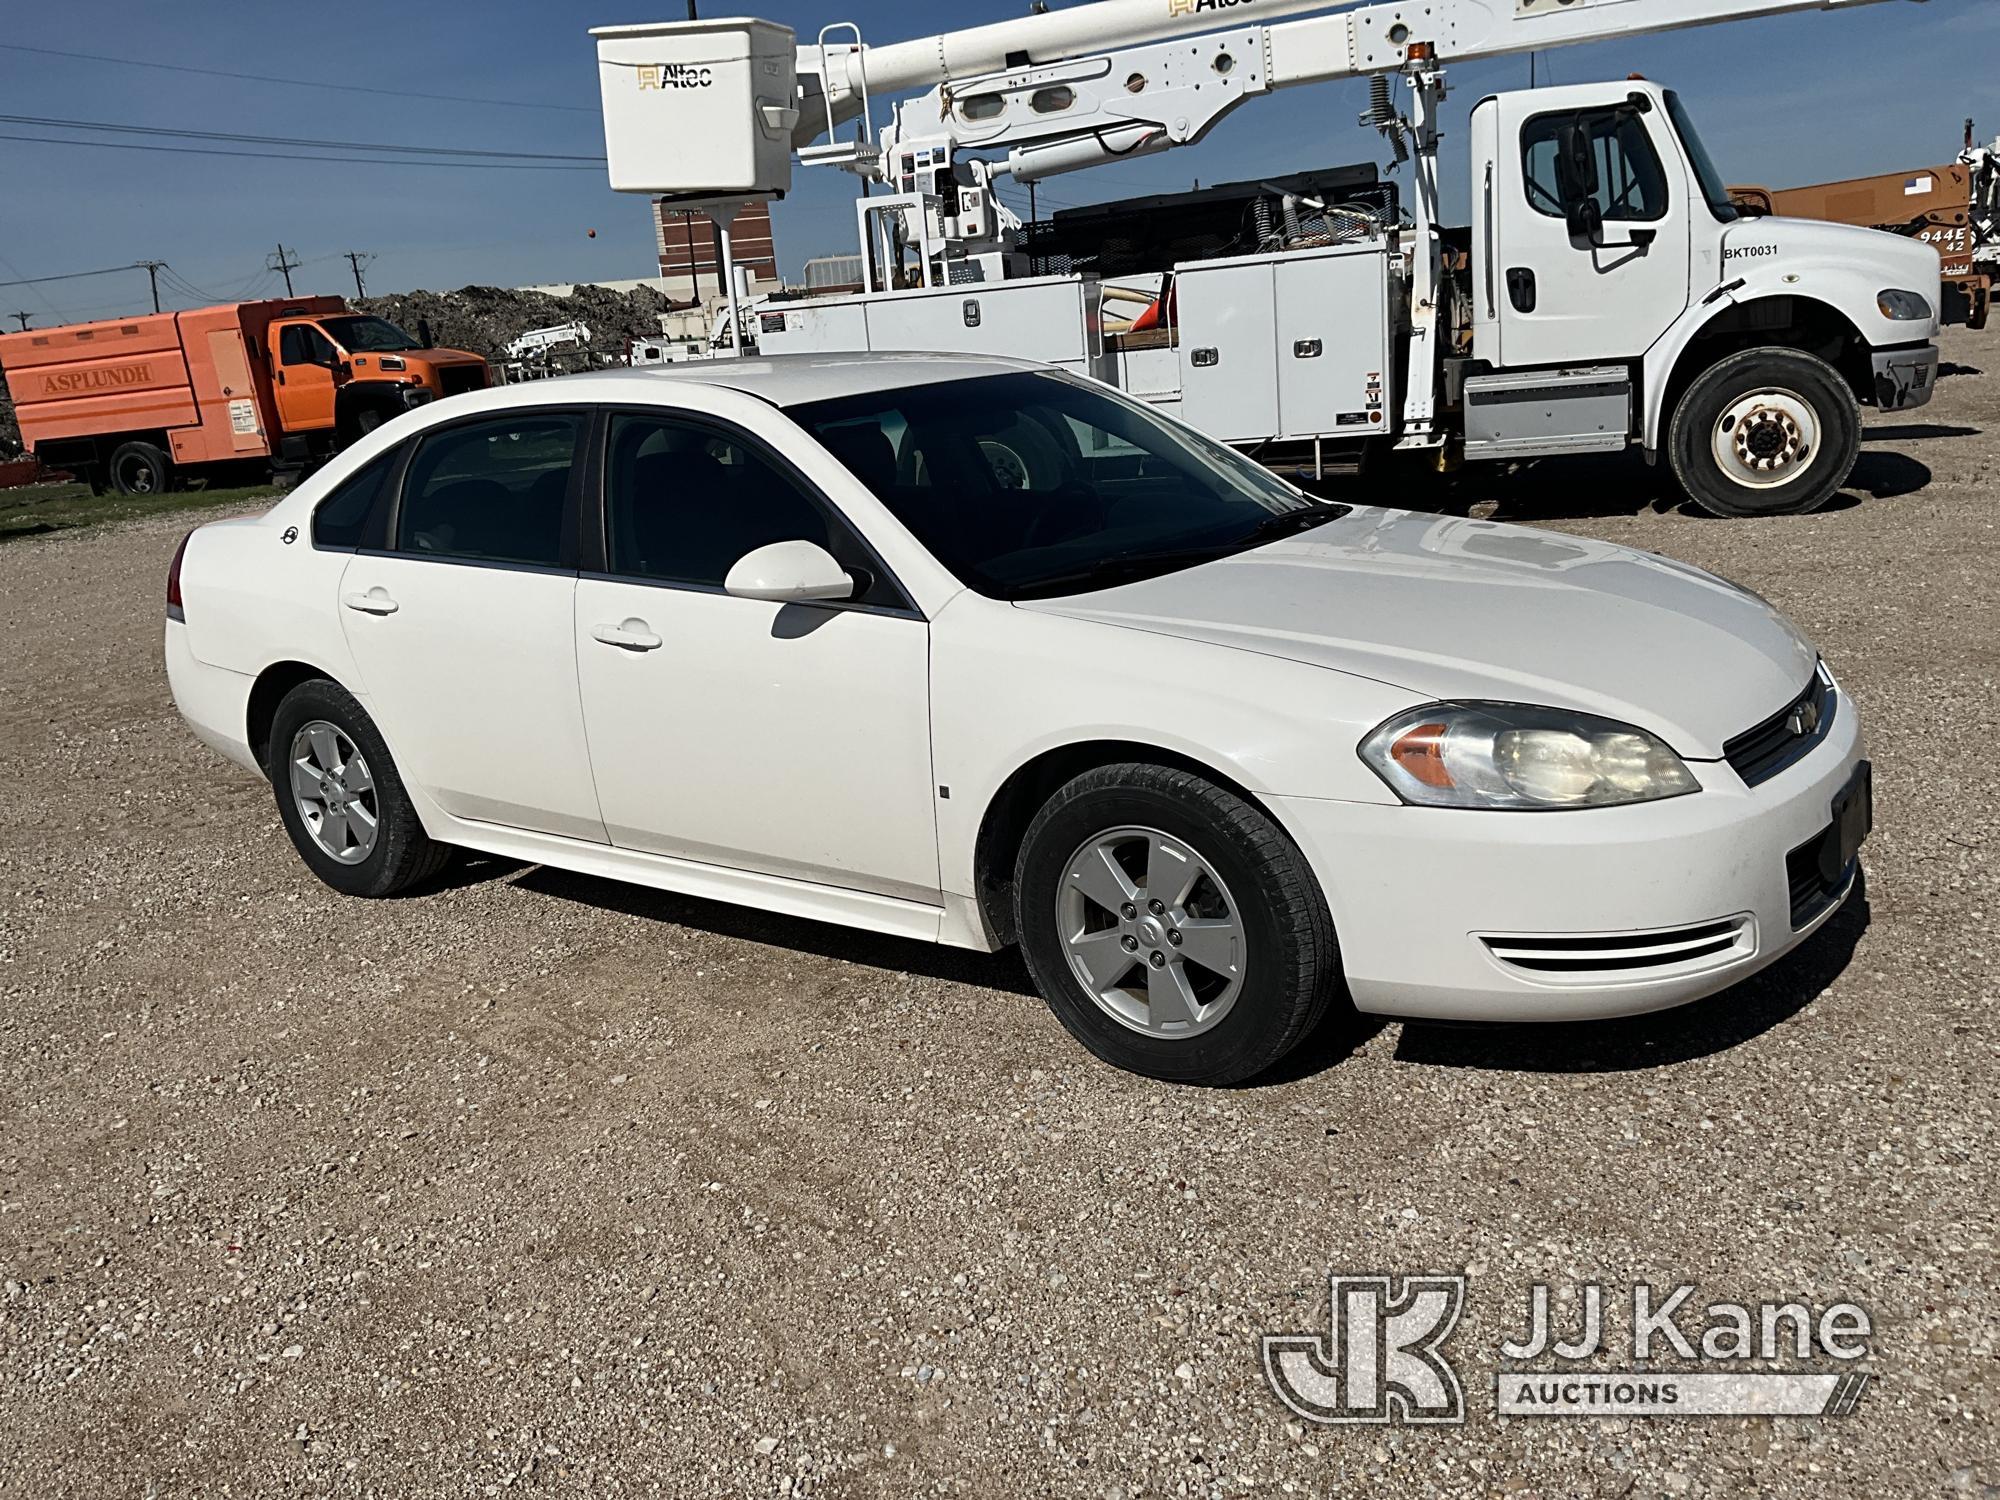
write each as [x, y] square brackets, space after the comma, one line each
[699, 109]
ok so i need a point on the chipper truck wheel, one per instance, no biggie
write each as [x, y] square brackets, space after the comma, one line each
[140, 469]
[1767, 432]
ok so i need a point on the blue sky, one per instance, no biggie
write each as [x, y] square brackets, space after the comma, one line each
[1788, 99]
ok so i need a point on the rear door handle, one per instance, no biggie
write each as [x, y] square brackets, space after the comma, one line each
[375, 602]
[631, 636]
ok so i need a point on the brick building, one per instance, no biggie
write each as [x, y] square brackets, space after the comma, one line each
[688, 245]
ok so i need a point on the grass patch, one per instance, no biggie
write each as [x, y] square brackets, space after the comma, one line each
[39, 509]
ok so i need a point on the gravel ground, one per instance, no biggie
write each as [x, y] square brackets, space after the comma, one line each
[539, 1182]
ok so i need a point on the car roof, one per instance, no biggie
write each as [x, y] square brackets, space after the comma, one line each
[795, 379]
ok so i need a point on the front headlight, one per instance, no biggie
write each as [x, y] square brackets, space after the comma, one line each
[1904, 307]
[1513, 756]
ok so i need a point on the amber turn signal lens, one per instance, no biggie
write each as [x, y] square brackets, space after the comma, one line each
[1421, 753]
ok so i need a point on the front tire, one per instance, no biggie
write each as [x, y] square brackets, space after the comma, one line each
[1171, 926]
[341, 797]
[1767, 432]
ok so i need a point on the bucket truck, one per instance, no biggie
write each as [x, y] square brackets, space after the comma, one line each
[1601, 291]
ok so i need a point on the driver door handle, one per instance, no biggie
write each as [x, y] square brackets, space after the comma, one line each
[631, 636]
[375, 602]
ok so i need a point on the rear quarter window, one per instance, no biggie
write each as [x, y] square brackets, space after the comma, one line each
[341, 519]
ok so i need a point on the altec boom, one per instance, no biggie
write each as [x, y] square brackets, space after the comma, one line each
[1599, 290]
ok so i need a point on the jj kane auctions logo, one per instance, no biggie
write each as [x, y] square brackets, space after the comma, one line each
[1382, 1357]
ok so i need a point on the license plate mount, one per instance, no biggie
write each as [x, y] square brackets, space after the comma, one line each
[1853, 821]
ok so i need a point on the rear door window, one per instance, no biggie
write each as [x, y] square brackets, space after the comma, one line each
[493, 491]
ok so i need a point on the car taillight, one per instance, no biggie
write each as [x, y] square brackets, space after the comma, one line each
[174, 610]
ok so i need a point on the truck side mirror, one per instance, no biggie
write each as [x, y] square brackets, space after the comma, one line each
[1576, 182]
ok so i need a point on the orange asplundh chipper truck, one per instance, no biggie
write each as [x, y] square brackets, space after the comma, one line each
[140, 404]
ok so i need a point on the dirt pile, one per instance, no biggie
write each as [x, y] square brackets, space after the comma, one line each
[483, 319]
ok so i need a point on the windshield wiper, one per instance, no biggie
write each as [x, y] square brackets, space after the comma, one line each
[1290, 522]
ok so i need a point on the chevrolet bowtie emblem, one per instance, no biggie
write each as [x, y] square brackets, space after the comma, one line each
[1804, 719]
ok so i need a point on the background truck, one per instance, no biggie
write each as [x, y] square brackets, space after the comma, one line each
[139, 404]
[1950, 208]
[1602, 290]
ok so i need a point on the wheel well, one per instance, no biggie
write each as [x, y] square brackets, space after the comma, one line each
[1776, 323]
[97, 448]
[265, 695]
[350, 401]
[1021, 796]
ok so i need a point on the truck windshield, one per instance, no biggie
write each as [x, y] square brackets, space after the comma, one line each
[1712, 186]
[1033, 485]
[361, 335]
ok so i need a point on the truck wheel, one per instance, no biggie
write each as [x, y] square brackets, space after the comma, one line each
[140, 469]
[1767, 432]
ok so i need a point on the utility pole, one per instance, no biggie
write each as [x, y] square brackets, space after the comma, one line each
[284, 263]
[152, 270]
[357, 259]
[22, 318]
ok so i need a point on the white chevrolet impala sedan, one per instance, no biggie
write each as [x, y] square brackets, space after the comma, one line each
[977, 652]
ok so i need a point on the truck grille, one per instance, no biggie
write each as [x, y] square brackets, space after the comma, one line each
[1787, 736]
[1612, 955]
[455, 380]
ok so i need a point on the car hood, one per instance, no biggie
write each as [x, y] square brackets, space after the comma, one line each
[1454, 609]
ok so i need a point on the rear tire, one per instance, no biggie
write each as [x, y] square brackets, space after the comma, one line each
[341, 797]
[1767, 432]
[1234, 969]
[140, 469]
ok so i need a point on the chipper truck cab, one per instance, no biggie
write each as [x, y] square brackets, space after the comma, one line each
[140, 404]
[1600, 289]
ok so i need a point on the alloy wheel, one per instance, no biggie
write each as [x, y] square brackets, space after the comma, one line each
[1151, 932]
[334, 792]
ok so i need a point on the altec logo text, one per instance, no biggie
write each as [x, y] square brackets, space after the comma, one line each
[1196, 7]
[675, 76]
[1382, 1358]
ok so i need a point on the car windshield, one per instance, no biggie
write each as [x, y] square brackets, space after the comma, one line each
[368, 335]
[1035, 484]
[1712, 186]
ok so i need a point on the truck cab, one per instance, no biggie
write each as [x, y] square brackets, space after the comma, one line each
[340, 374]
[1605, 243]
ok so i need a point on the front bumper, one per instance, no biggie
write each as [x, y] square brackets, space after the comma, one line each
[1905, 377]
[1447, 914]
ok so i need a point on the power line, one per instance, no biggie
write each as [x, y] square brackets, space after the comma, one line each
[356, 161]
[179, 133]
[73, 275]
[294, 83]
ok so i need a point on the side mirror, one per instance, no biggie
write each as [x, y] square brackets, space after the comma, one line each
[789, 573]
[1576, 182]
